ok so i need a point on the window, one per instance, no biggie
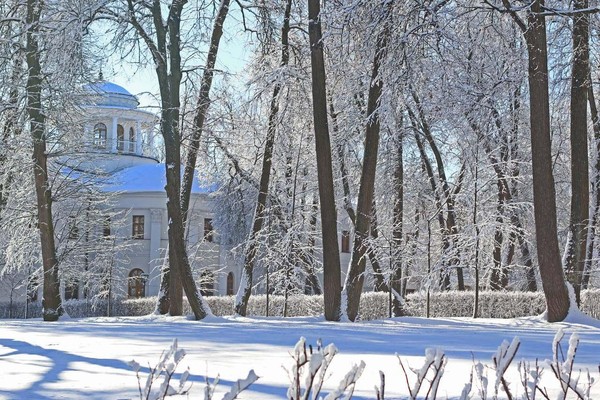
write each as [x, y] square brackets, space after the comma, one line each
[207, 283]
[72, 290]
[137, 231]
[73, 229]
[136, 283]
[345, 241]
[230, 284]
[106, 227]
[131, 140]
[120, 138]
[100, 136]
[208, 230]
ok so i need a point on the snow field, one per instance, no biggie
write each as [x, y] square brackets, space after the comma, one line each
[87, 358]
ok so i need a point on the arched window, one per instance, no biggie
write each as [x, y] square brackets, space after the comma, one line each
[120, 138]
[136, 283]
[230, 283]
[207, 283]
[100, 136]
[131, 140]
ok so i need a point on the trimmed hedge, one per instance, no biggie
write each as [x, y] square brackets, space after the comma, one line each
[372, 306]
[492, 304]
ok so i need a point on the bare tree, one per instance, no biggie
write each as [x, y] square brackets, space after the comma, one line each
[544, 201]
[202, 106]
[165, 50]
[355, 278]
[578, 224]
[331, 255]
[245, 287]
[51, 302]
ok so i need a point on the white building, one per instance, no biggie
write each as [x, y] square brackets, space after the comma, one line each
[119, 146]
[123, 135]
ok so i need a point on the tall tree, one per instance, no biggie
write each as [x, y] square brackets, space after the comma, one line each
[578, 224]
[355, 278]
[331, 255]
[202, 106]
[341, 155]
[398, 223]
[51, 302]
[165, 50]
[544, 200]
[595, 206]
[244, 290]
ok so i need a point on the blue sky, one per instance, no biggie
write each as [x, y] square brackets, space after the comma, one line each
[234, 52]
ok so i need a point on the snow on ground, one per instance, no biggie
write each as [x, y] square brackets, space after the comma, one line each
[87, 358]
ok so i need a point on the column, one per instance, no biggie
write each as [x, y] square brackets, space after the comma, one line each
[138, 137]
[113, 136]
[88, 135]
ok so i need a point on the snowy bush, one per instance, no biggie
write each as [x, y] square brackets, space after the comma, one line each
[298, 305]
[19, 310]
[309, 371]
[430, 374]
[491, 304]
[165, 369]
[373, 305]
[590, 302]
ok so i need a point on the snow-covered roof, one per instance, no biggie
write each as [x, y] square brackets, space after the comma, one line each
[146, 178]
[108, 94]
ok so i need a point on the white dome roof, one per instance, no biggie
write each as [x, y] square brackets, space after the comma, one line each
[108, 94]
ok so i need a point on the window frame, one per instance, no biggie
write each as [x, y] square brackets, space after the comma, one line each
[106, 232]
[137, 227]
[136, 284]
[230, 284]
[73, 229]
[131, 140]
[345, 242]
[209, 235]
[120, 138]
[71, 289]
[100, 135]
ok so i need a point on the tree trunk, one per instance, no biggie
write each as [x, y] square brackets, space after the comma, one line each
[578, 224]
[168, 287]
[331, 255]
[164, 303]
[51, 302]
[398, 224]
[355, 278]
[308, 259]
[544, 201]
[595, 204]
[202, 108]
[167, 50]
[375, 265]
[477, 232]
[499, 275]
[244, 290]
